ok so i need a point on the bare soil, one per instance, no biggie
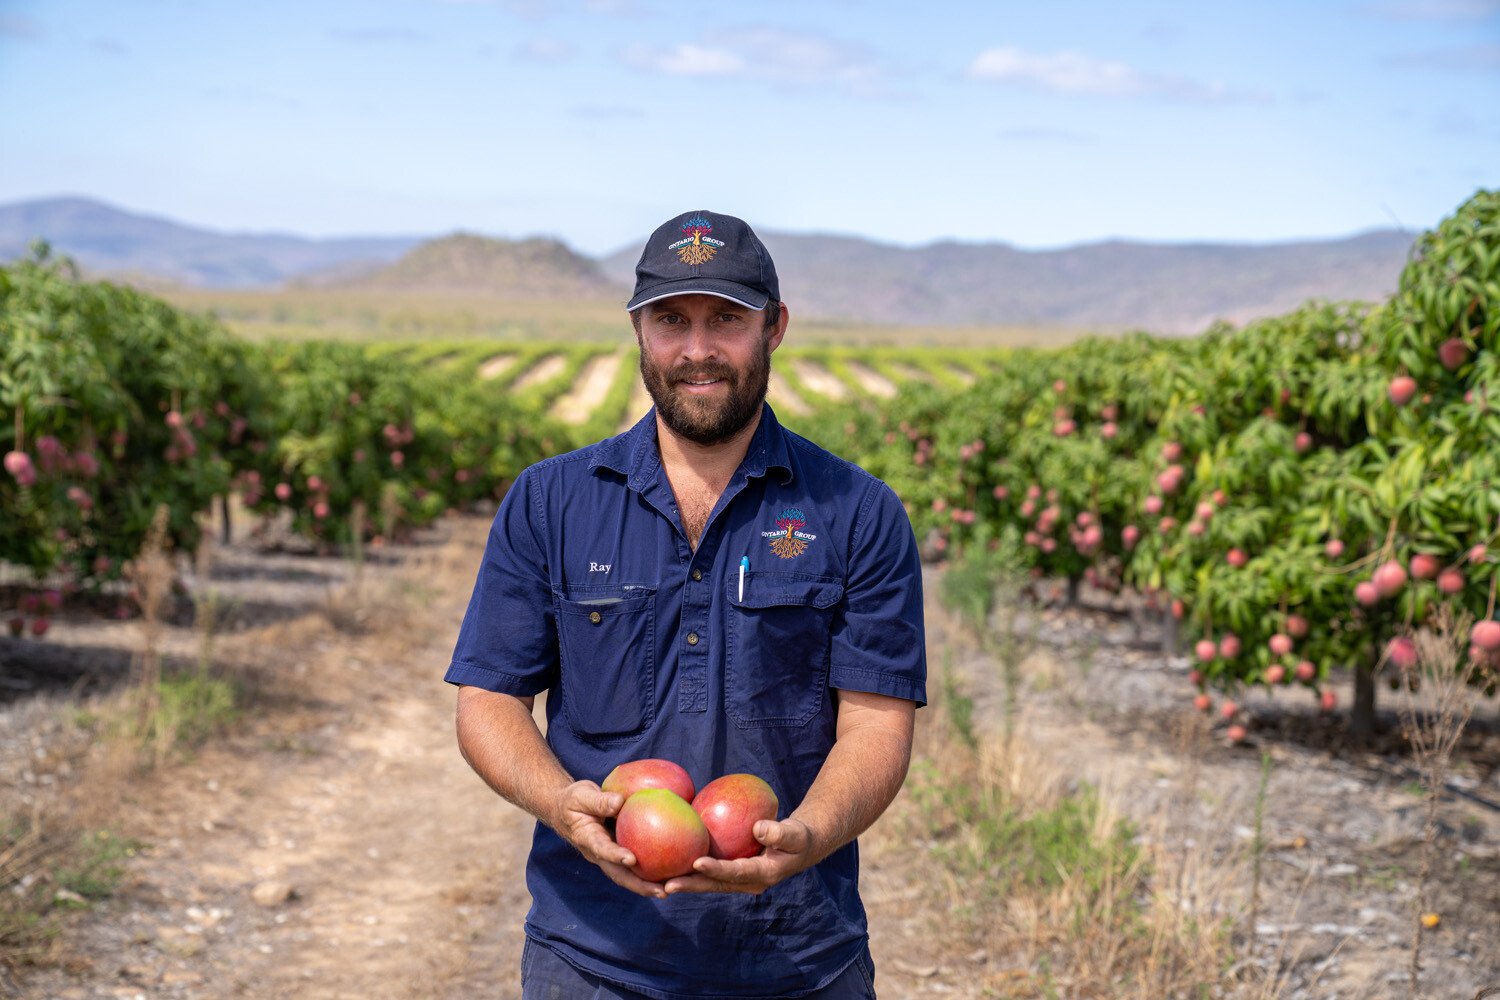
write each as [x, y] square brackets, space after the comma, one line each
[342, 783]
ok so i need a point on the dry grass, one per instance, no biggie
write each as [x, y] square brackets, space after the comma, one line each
[1050, 881]
[1447, 676]
[1045, 873]
[63, 843]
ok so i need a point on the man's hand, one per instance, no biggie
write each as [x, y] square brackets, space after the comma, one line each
[789, 850]
[580, 821]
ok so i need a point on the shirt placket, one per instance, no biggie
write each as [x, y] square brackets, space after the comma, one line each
[694, 635]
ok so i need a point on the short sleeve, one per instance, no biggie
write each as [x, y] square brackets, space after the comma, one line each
[879, 642]
[508, 640]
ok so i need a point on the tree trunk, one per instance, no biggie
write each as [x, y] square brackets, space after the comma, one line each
[1362, 714]
[226, 532]
[1073, 585]
[1168, 633]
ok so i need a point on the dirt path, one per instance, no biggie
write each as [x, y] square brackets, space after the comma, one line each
[575, 405]
[498, 365]
[406, 874]
[872, 382]
[1343, 826]
[819, 380]
[545, 369]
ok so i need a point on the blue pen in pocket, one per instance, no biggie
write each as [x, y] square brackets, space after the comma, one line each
[744, 565]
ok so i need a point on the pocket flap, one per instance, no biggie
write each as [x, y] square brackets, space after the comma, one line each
[611, 601]
[773, 590]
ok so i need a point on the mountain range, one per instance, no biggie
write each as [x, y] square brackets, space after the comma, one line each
[1171, 288]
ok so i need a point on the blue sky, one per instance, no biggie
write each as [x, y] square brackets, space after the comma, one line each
[1034, 124]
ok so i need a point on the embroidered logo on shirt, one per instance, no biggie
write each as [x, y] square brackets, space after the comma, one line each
[787, 541]
[698, 248]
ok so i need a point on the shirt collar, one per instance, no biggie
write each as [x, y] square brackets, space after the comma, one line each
[634, 453]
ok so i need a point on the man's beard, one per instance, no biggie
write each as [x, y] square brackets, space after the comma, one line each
[707, 421]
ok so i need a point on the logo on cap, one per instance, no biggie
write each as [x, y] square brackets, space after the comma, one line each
[787, 541]
[699, 247]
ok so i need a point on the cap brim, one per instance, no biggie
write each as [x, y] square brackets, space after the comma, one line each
[731, 290]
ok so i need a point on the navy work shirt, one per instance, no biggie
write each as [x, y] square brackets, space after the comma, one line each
[590, 591]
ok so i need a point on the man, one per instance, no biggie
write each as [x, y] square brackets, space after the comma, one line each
[711, 589]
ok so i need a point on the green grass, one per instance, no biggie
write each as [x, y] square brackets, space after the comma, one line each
[95, 869]
[992, 842]
[44, 874]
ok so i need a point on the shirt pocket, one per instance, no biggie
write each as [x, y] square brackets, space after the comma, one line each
[780, 634]
[607, 644]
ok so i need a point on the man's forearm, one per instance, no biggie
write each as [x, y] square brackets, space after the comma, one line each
[862, 773]
[499, 738]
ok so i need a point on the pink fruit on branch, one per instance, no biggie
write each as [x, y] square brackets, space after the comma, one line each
[1389, 578]
[1453, 352]
[1401, 652]
[1424, 566]
[1402, 390]
[1486, 635]
[1450, 581]
[19, 465]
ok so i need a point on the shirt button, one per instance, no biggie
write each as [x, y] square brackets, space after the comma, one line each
[692, 638]
[697, 574]
[595, 617]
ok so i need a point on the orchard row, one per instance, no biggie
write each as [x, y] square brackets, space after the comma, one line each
[1300, 493]
[119, 405]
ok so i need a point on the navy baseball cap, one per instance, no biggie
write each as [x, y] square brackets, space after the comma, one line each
[709, 253]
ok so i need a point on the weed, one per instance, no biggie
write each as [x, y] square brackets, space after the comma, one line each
[1258, 843]
[958, 707]
[97, 866]
[1447, 674]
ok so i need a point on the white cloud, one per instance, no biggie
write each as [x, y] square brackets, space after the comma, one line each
[687, 59]
[1064, 72]
[782, 58]
[1077, 74]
